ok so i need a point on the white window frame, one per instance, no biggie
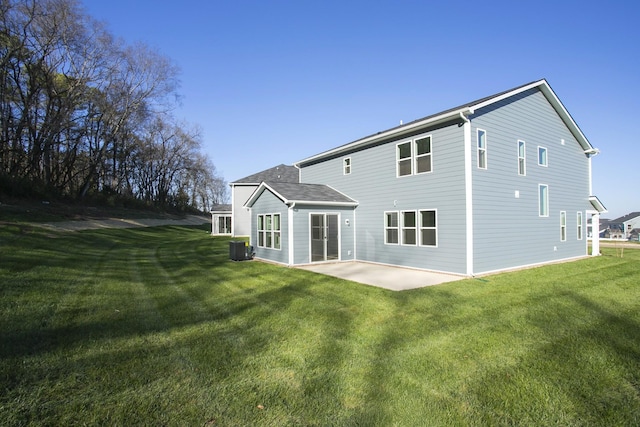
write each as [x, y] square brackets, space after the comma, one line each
[579, 225]
[482, 149]
[413, 156]
[420, 156]
[403, 227]
[423, 227]
[545, 161]
[563, 226]
[346, 166]
[522, 158]
[543, 203]
[268, 236]
[388, 228]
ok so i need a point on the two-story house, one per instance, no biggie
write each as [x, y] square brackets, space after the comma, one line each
[495, 184]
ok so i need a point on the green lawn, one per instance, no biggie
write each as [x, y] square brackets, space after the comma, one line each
[156, 327]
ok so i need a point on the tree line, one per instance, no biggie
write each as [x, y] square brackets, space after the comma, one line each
[85, 115]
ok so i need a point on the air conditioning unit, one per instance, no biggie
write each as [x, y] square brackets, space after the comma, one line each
[240, 251]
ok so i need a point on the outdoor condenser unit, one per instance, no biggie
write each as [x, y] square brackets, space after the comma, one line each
[240, 251]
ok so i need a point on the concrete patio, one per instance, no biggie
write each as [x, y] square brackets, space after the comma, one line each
[383, 276]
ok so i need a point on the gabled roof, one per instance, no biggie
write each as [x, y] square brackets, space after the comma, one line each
[457, 113]
[220, 208]
[305, 194]
[280, 173]
[627, 217]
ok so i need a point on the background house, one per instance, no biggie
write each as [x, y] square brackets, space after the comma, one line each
[243, 188]
[221, 220]
[622, 228]
[497, 183]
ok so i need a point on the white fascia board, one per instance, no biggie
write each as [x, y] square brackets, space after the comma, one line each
[398, 131]
[263, 186]
[597, 204]
[323, 203]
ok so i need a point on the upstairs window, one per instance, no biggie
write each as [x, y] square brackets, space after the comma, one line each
[542, 156]
[415, 156]
[404, 159]
[347, 166]
[423, 154]
[482, 149]
[521, 158]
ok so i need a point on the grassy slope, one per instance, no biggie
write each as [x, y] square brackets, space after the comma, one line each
[156, 326]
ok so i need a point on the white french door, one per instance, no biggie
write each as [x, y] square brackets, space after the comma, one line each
[324, 234]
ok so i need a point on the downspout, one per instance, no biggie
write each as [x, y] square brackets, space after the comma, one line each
[468, 190]
[595, 218]
[290, 231]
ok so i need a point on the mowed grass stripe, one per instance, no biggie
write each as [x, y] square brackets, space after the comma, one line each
[198, 338]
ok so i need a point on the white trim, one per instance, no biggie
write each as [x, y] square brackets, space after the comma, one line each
[527, 266]
[468, 185]
[402, 227]
[272, 231]
[410, 158]
[563, 227]
[416, 156]
[290, 240]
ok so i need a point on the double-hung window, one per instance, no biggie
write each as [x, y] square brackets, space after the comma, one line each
[543, 200]
[542, 156]
[579, 225]
[391, 228]
[409, 227]
[428, 229]
[415, 156]
[423, 154]
[521, 158]
[269, 231]
[347, 166]
[482, 149]
[563, 226]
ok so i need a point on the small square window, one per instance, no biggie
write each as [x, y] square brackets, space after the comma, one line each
[542, 156]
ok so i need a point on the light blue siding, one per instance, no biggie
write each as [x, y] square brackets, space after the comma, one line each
[301, 231]
[374, 185]
[267, 203]
[508, 231]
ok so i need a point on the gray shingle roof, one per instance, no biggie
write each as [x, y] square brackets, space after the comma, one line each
[626, 217]
[309, 193]
[280, 173]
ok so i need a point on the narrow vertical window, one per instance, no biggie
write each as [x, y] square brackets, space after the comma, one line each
[276, 231]
[347, 166]
[543, 200]
[563, 226]
[260, 230]
[391, 228]
[404, 158]
[428, 230]
[409, 228]
[482, 149]
[423, 154]
[579, 225]
[542, 156]
[521, 158]
[268, 241]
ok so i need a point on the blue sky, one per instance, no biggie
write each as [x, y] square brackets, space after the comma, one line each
[273, 82]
